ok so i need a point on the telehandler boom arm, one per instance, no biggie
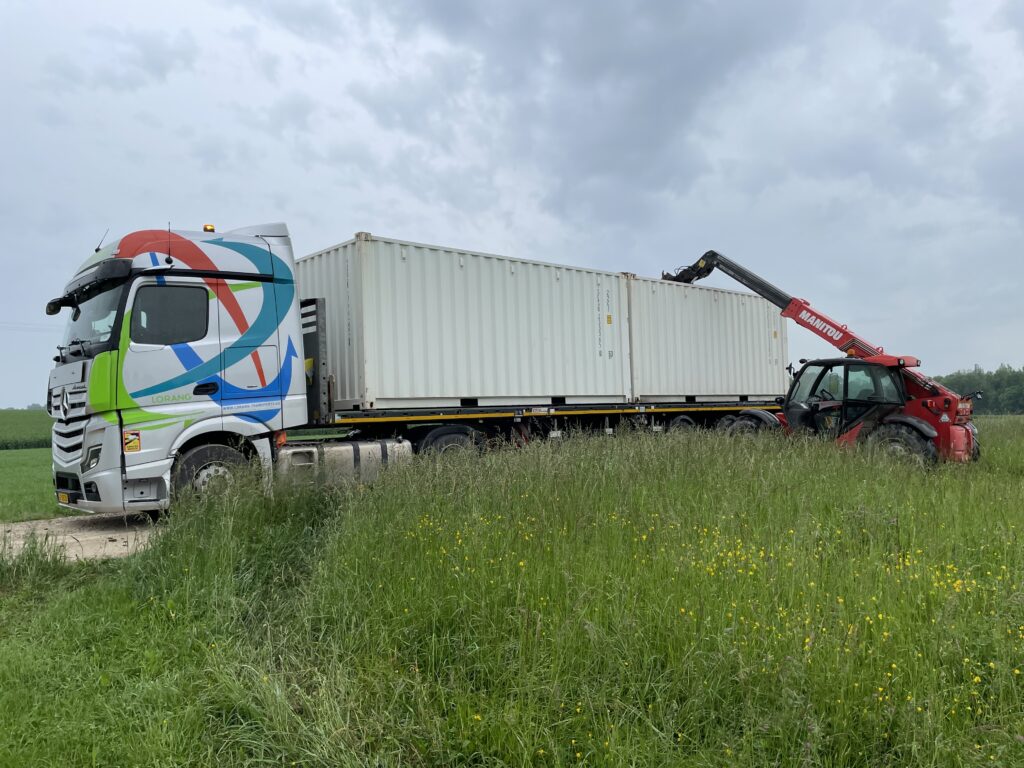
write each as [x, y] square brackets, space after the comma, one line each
[799, 310]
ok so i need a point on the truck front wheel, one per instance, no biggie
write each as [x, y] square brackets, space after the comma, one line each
[205, 467]
[901, 440]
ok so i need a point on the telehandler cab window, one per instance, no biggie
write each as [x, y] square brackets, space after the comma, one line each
[169, 314]
[871, 383]
[802, 388]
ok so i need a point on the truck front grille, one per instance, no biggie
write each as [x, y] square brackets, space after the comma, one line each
[67, 439]
[77, 398]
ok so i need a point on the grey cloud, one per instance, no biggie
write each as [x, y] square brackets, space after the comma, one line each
[292, 112]
[599, 97]
[126, 60]
[322, 21]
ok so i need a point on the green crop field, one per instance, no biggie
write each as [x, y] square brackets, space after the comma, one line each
[26, 485]
[22, 428]
[653, 600]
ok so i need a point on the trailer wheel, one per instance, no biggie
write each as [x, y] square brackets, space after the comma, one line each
[904, 442]
[681, 423]
[445, 439]
[204, 468]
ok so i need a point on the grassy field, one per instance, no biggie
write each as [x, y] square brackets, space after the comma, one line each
[642, 600]
[26, 485]
[20, 428]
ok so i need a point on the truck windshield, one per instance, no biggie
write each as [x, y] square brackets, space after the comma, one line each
[90, 331]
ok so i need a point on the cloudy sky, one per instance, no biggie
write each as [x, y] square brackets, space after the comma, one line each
[867, 156]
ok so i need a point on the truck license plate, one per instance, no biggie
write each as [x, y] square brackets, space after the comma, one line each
[62, 497]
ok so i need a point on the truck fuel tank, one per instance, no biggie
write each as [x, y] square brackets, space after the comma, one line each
[337, 462]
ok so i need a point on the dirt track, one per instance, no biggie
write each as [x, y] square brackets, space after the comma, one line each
[85, 537]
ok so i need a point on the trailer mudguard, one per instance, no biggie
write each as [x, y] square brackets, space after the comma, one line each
[914, 422]
[765, 417]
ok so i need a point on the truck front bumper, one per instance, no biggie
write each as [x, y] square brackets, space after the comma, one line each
[96, 491]
[91, 479]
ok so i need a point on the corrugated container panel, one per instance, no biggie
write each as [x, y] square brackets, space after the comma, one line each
[704, 342]
[414, 325]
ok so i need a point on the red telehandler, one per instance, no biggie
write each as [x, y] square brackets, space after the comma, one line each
[867, 396]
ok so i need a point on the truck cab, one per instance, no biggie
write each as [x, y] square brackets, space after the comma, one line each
[178, 344]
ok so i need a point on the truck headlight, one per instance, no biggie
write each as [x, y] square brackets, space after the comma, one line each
[92, 458]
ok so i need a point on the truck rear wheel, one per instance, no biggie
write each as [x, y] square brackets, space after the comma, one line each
[903, 441]
[205, 467]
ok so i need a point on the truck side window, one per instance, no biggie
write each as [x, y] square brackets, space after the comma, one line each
[169, 314]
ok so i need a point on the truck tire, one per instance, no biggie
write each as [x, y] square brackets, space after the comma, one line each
[901, 440]
[200, 468]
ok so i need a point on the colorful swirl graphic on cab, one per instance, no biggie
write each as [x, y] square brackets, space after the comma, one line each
[277, 297]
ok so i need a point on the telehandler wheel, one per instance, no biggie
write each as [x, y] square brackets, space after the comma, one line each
[724, 423]
[204, 468]
[905, 442]
[744, 425]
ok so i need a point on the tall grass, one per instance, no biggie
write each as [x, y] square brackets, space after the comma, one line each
[647, 599]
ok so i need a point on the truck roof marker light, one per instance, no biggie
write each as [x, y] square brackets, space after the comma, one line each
[208, 228]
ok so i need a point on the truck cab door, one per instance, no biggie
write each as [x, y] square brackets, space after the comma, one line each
[250, 357]
[170, 344]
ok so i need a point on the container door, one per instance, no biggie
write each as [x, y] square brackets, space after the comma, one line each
[250, 358]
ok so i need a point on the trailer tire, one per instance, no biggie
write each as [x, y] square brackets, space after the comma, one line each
[903, 441]
[445, 439]
[200, 469]
[681, 423]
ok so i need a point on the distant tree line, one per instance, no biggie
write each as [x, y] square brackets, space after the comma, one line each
[1003, 388]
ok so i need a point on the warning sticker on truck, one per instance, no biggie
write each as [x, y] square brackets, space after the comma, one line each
[132, 442]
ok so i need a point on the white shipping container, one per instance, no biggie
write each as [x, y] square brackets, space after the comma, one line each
[707, 343]
[421, 326]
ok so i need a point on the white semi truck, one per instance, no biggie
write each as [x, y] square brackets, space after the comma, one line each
[189, 352]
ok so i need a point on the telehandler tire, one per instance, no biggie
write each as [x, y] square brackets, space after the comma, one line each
[903, 441]
[745, 425]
